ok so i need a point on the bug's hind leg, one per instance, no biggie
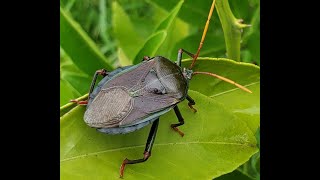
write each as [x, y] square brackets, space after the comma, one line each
[147, 150]
[101, 72]
[181, 121]
[191, 103]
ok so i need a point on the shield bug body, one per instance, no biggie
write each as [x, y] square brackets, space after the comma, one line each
[131, 97]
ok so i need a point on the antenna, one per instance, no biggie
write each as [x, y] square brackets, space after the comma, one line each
[224, 79]
[203, 35]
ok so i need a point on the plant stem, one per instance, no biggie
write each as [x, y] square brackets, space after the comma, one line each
[232, 29]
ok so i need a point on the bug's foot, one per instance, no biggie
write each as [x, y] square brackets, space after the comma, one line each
[192, 108]
[123, 165]
[146, 58]
[79, 102]
[177, 130]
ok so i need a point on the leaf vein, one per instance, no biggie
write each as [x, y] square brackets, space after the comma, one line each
[160, 144]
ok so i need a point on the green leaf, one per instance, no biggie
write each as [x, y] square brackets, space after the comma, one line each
[235, 175]
[168, 21]
[157, 39]
[216, 48]
[151, 46]
[176, 30]
[77, 44]
[245, 105]
[70, 73]
[192, 12]
[125, 32]
[216, 142]
[252, 167]
[67, 92]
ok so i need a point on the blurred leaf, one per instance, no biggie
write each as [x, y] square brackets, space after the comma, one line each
[241, 9]
[176, 31]
[66, 92]
[71, 79]
[253, 45]
[216, 48]
[155, 41]
[216, 142]
[168, 21]
[79, 46]
[151, 46]
[127, 36]
[235, 175]
[251, 38]
[250, 168]
[195, 13]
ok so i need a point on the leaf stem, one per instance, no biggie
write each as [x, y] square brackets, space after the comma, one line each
[232, 28]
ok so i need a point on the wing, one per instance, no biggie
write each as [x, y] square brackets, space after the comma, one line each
[134, 96]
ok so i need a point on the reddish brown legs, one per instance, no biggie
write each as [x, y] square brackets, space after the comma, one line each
[79, 102]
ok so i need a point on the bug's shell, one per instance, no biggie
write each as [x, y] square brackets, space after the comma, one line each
[132, 97]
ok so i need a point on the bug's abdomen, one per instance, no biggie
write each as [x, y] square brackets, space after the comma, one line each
[109, 108]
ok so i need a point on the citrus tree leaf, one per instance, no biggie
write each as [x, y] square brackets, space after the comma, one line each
[78, 45]
[245, 105]
[216, 142]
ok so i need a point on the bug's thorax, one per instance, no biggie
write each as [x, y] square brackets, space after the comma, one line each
[187, 73]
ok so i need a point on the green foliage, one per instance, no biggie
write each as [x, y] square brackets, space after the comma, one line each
[221, 138]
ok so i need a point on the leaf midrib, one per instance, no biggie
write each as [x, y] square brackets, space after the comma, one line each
[158, 144]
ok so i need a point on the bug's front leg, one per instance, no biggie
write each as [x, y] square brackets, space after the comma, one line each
[191, 103]
[147, 150]
[180, 56]
[180, 119]
[101, 72]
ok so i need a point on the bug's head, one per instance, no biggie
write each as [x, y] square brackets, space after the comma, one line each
[187, 73]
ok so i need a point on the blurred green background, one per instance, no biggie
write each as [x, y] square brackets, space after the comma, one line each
[112, 33]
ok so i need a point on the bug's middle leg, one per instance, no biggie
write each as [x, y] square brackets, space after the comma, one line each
[180, 119]
[191, 103]
[147, 150]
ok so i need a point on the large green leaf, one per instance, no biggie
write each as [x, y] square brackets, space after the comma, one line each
[245, 105]
[216, 142]
[77, 44]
